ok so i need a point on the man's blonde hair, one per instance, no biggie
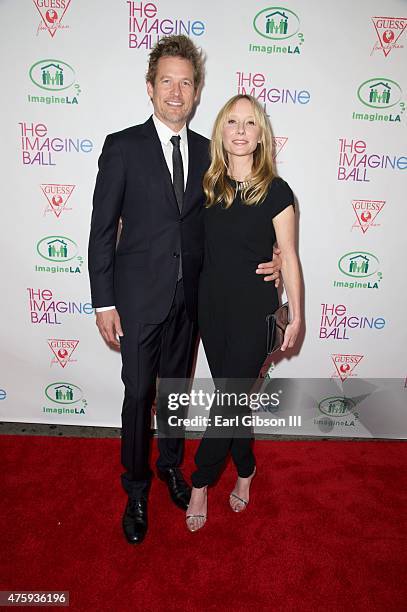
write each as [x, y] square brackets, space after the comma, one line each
[176, 46]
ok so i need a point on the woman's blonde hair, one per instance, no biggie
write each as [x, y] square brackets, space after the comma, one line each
[217, 186]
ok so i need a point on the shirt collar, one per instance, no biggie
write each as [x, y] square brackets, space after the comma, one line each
[165, 133]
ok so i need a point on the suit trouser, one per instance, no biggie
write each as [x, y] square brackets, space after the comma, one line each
[149, 350]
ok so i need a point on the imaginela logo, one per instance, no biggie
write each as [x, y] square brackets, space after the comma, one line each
[64, 398]
[355, 162]
[384, 96]
[52, 75]
[44, 308]
[280, 26]
[59, 250]
[146, 28]
[337, 324]
[362, 270]
[338, 412]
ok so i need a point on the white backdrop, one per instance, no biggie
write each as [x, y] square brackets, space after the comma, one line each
[333, 78]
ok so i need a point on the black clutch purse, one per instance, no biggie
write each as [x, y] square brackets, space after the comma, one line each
[276, 326]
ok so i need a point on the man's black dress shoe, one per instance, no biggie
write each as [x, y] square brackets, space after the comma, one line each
[135, 520]
[179, 489]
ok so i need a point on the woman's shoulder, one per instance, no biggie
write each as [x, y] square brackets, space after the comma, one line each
[280, 194]
[278, 184]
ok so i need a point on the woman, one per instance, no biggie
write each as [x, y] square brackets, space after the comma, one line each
[247, 209]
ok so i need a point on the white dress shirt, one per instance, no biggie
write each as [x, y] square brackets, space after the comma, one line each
[164, 134]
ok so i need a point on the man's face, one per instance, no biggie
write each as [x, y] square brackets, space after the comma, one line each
[173, 93]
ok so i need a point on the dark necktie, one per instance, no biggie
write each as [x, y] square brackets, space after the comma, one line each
[177, 170]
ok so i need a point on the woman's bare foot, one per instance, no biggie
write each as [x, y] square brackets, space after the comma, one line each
[197, 508]
[239, 498]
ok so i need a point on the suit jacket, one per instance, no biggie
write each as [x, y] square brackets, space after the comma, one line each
[139, 275]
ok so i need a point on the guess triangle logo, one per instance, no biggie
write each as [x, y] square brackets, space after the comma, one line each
[57, 196]
[345, 364]
[62, 350]
[51, 18]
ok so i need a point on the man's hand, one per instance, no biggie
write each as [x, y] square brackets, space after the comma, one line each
[109, 325]
[271, 268]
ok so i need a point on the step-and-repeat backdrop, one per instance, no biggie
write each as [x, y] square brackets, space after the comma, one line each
[332, 77]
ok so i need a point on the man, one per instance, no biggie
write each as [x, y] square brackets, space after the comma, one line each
[145, 290]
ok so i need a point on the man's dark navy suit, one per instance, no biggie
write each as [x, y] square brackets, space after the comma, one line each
[139, 277]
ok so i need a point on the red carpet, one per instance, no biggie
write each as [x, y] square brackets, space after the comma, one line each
[325, 530]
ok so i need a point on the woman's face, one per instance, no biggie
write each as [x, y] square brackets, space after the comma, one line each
[240, 134]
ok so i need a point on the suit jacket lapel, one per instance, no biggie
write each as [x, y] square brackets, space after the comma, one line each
[193, 170]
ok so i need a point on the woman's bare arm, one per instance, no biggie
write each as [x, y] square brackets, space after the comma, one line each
[284, 225]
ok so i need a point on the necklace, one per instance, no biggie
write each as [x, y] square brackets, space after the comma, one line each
[240, 184]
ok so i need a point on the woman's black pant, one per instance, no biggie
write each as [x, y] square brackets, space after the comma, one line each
[235, 362]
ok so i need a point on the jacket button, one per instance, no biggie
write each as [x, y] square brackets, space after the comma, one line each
[175, 254]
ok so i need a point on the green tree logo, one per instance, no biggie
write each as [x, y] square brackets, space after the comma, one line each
[52, 75]
[359, 264]
[57, 248]
[379, 93]
[336, 406]
[64, 393]
[276, 23]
